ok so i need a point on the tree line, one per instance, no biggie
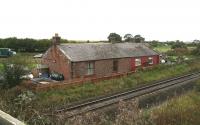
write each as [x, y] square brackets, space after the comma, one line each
[28, 44]
[33, 45]
[25, 45]
[116, 38]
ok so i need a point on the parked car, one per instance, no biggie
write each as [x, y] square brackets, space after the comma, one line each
[6, 52]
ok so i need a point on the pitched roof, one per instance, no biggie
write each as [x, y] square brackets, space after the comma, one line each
[99, 51]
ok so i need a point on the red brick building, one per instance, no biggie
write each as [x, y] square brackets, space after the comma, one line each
[97, 59]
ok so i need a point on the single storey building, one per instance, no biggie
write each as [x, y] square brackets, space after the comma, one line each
[97, 59]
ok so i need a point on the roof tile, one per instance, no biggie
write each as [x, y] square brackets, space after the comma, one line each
[91, 51]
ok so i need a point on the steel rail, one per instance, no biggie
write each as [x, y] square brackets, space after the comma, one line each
[123, 93]
[127, 95]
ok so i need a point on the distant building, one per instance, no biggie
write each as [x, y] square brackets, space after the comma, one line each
[97, 60]
[196, 41]
[6, 52]
[38, 56]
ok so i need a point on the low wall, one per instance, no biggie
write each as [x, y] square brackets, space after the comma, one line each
[75, 82]
[6, 119]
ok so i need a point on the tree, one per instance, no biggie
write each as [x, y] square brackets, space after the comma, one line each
[197, 50]
[154, 43]
[196, 41]
[114, 38]
[128, 38]
[179, 44]
[13, 70]
[138, 39]
[25, 45]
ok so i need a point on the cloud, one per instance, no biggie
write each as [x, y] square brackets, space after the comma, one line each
[95, 19]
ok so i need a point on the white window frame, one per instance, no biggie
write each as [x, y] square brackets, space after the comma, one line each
[90, 68]
[150, 59]
[138, 62]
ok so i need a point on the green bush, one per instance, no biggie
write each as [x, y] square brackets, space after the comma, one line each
[88, 90]
[13, 70]
[197, 50]
[12, 75]
[197, 85]
[182, 110]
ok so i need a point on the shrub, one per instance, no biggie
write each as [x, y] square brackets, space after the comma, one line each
[179, 44]
[197, 85]
[197, 50]
[13, 70]
[178, 52]
[183, 110]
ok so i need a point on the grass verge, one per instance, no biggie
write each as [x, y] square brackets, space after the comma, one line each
[183, 110]
[88, 90]
[29, 107]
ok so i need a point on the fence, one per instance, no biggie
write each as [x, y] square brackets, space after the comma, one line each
[74, 82]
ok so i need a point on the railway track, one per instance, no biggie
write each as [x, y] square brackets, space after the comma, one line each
[113, 99]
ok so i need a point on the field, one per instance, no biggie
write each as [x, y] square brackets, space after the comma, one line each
[26, 57]
[192, 48]
[162, 48]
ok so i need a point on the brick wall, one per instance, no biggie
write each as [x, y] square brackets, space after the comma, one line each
[124, 65]
[57, 62]
[144, 59]
[79, 69]
[156, 59]
[101, 68]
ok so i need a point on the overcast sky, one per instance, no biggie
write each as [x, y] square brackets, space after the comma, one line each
[95, 19]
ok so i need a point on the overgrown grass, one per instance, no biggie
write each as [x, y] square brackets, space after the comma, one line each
[27, 57]
[163, 48]
[57, 97]
[32, 109]
[183, 110]
[1, 67]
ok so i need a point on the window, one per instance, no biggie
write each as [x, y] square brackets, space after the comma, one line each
[90, 68]
[138, 62]
[115, 65]
[72, 69]
[150, 60]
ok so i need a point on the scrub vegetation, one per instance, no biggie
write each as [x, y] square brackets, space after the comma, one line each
[31, 107]
[88, 90]
[180, 110]
[12, 69]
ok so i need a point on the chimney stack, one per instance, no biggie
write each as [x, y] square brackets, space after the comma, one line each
[56, 39]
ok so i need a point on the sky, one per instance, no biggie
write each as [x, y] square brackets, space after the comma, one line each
[94, 19]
